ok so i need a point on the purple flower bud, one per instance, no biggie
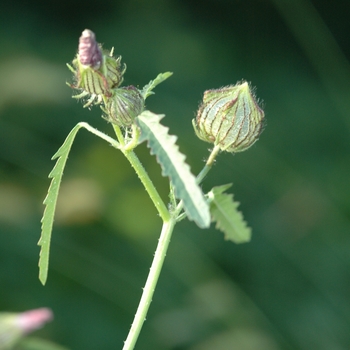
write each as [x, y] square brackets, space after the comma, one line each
[89, 51]
[96, 71]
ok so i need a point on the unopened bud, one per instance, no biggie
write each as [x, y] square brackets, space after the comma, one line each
[96, 71]
[124, 106]
[230, 118]
[89, 53]
[13, 326]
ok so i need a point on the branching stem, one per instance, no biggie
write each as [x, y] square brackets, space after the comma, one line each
[157, 264]
[148, 184]
[141, 172]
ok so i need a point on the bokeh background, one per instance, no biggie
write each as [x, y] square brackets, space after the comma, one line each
[289, 288]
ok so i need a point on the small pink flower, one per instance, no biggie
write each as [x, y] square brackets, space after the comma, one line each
[31, 320]
[13, 326]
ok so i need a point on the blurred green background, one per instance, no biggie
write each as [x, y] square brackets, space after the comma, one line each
[289, 288]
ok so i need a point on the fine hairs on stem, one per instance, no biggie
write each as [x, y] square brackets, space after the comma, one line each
[229, 118]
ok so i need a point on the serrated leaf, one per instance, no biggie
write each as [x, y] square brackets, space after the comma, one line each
[50, 202]
[147, 90]
[173, 165]
[51, 197]
[228, 219]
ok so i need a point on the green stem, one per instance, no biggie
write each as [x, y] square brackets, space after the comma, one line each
[100, 134]
[135, 138]
[169, 222]
[142, 173]
[136, 164]
[148, 184]
[208, 164]
[119, 134]
[152, 279]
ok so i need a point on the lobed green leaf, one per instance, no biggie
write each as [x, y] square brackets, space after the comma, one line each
[50, 202]
[228, 219]
[147, 89]
[52, 194]
[173, 164]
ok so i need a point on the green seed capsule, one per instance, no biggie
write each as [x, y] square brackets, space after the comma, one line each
[230, 118]
[124, 106]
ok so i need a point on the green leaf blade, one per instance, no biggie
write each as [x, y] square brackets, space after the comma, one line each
[50, 203]
[147, 90]
[228, 219]
[174, 166]
[52, 195]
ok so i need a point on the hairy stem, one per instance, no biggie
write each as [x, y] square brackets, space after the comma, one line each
[119, 134]
[142, 173]
[208, 164]
[148, 184]
[152, 279]
[100, 134]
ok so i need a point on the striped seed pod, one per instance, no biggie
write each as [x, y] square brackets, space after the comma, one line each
[124, 106]
[229, 117]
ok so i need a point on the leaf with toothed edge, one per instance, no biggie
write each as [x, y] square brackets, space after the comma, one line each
[50, 202]
[173, 164]
[147, 89]
[51, 198]
[228, 219]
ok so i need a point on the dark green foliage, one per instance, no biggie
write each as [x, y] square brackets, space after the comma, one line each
[288, 288]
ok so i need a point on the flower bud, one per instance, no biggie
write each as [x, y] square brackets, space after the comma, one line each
[230, 118]
[96, 71]
[89, 53]
[13, 326]
[124, 106]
